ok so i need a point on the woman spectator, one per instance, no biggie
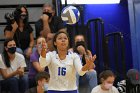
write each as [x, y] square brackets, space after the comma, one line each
[12, 69]
[81, 49]
[21, 31]
[34, 66]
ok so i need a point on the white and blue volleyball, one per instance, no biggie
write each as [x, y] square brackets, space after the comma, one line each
[70, 15]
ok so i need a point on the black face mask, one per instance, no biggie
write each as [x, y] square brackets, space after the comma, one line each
[23, 16]
[48, 14]
[12, 50]
[80, 43]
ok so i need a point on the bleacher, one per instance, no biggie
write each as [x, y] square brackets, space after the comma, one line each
[35, 10]
[7, 6]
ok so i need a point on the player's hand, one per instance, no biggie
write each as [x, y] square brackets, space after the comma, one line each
[90, 60]
[44, 49]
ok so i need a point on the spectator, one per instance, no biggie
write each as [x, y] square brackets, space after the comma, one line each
[34, 66]
[63, 65]
[42, 79]
[21, 31]
[107, 78]
[12, 69]
[48, 23]
[81, 48]
[131, 84]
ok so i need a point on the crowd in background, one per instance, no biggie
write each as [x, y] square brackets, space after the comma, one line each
[51, 65]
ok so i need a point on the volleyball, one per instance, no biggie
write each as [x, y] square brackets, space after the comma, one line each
[70, 15]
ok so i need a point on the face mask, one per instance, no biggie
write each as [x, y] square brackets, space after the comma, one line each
[107, 85]
[12, 50]
[23, 16]
[48, 14]
[45, 87]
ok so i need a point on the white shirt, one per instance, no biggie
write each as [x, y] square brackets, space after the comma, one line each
[19, 61]
[98, 89]
[62, 72]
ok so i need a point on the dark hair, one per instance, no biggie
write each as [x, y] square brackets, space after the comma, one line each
[105, 74]
[5, 54]
[55, 36]
[50, 4]
[17, 13]
[42, 75]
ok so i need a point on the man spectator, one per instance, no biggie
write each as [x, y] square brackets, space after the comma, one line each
[48, 22]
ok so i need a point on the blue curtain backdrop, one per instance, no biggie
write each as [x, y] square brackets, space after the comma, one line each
[134, 15]
[116, 18]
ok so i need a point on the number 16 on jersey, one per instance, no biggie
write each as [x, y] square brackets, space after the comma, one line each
[61, 71]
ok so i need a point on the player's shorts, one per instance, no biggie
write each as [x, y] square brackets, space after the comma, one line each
[52, 91]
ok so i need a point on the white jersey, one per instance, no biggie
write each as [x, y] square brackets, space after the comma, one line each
[19, 61]
[62, 72]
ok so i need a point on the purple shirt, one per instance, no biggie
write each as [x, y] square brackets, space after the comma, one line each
[34, 58]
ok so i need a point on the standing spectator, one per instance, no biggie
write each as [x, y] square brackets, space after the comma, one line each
[63, 65]
[48, 23]
[42, 79]
[107, 79]
[12, 69]
[81, 48]
[34, 66]
[21, 31]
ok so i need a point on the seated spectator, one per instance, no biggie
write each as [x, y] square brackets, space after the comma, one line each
[48, 22]
[42, 79]
[34, 66]
[131, 84]
[12, 69]
[21, 31]
[107, 78]
[81, 48]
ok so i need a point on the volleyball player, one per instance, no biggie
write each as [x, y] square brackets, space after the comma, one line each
[63, 65]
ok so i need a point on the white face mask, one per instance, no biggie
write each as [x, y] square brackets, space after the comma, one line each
[107, 85]
[45, 87]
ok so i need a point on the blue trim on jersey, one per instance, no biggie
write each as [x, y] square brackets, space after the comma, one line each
[52, 91]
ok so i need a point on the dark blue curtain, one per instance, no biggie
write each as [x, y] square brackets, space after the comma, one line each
[134, 15]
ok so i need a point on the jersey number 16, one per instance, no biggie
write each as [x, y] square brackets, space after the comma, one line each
[61, 71]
